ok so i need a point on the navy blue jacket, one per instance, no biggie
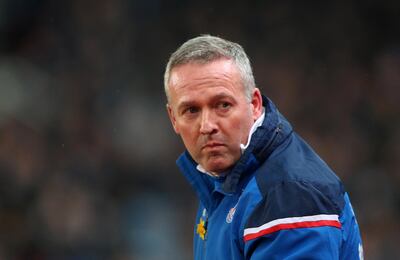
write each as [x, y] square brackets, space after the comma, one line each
[279, 201]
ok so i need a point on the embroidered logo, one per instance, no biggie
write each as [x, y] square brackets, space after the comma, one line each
[231, 212]
[201, 229]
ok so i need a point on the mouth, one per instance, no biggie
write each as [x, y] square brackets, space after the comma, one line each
[212, 145]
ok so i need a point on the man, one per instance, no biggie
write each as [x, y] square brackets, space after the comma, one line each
[264, 193]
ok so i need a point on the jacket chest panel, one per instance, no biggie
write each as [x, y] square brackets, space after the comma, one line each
[218, 229]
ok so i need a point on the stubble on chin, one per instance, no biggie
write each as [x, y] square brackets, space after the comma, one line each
[217, 162]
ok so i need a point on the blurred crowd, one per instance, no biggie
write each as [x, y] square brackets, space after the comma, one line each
[87, 154]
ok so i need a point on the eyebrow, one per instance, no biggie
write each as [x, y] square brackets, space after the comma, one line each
[184, 104]
[221, 96]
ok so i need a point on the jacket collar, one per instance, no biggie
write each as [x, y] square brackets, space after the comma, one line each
[274, 130]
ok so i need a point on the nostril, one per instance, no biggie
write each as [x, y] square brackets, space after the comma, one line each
[207, 128]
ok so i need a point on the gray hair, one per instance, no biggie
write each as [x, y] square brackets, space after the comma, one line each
[206, 48]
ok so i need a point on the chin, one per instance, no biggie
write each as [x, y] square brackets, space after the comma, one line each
[218, 166]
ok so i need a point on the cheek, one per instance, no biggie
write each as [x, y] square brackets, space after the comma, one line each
[188, 135]
[242, 127]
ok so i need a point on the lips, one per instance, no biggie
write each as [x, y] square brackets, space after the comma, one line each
[212, 145]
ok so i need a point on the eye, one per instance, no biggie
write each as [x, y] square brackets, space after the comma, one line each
[224, 105]
[190, 110]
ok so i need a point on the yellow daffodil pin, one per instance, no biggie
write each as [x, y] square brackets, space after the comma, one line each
[201, 229]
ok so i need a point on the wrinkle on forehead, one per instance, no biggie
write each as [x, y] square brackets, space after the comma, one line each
[207, 74]
[206, 81]
[221, 68]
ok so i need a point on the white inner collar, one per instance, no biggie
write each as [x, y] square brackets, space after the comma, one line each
[256, 125]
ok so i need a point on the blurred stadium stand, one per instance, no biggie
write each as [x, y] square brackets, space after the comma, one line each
[87, 154]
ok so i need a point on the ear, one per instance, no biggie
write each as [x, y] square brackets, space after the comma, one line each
[256, 102]
[172, 118]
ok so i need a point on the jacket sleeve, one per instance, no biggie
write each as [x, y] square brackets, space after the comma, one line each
[302, 243]
[295, 220]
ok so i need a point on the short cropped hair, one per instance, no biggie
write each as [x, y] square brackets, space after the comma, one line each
[205, 49]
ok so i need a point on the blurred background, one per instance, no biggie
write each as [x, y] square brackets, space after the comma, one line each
[87, 154]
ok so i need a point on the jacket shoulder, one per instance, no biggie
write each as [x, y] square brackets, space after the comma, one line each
[294, 182]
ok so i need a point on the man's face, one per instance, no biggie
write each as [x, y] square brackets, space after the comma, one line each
[209, 110]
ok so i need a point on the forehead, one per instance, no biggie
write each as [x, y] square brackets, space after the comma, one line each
[198, 77]
[197, 70]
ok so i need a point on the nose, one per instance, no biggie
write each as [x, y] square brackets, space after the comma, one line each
[208, 123]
